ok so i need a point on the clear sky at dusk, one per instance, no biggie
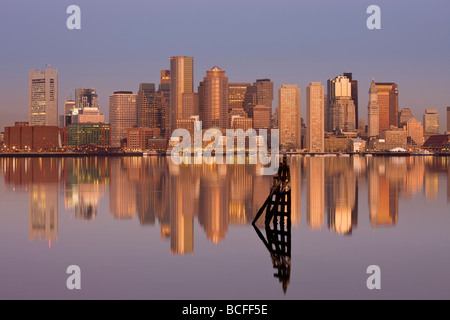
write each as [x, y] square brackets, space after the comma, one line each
[123, 43]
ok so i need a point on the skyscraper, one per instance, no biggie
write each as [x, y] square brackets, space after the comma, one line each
[341, 108]
[122, 115]
[373, 112]
[190, 105]
[214, 100]
[181, 81]
[448, 119]
[388, 105]
[404, 116]
[69, 106]
[162, 102]
[165, 77]
[43, 97]
[86, 98]
[354, 88]
[315, 107]
[260, 93]
[431, 121]
[236, 94]
[414, 132]
[147, 111]
[289, 116]
[261, 116]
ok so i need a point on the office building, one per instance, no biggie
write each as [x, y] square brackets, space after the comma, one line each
[448, 120]
[315, 108]
[94, 134]
[404, 116]
[388, 105]
[190, 105]
[122, 115]
[214, 100]
[43, 97]
[69, 105]
[86, 98]
[341, 107]
[236, 94]
[431, 121]
[260, 93]
[22, 136]
[373, 112]
[354, 95]
[162, 102]
[414, 132]
[261, 116]
[138, 138]
[289, 116]
[181, 81]
[239, 122]
[165, 77]
[147, 110]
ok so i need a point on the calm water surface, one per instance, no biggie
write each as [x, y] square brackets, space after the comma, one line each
[147, 229]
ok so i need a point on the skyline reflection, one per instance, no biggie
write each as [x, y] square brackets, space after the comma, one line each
[216, 197]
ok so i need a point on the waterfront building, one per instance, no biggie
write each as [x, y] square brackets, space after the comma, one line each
[83, 134]
[122, 115]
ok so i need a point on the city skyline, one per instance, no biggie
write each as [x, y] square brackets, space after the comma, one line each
[362, 113]
[106, 69]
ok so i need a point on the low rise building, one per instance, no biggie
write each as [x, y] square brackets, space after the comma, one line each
[33, 138]
[391, 139]
[358, 145]
[83, 134]
[137, 138]
[338, 144]
[439, 142]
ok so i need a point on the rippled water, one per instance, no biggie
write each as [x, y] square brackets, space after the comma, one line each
[145, 228]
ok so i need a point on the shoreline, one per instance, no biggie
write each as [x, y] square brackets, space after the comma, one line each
[141, 154]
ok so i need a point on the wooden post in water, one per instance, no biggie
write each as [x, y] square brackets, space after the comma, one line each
[278, 224]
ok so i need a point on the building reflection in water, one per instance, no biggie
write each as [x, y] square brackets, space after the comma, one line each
[39, 177]
[184, 188]
[383, 192]
[315, 197]
[342, 194]
[218, 196]
[85, 183]
[214, 202]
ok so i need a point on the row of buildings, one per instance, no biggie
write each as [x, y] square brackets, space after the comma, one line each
[146, 119]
